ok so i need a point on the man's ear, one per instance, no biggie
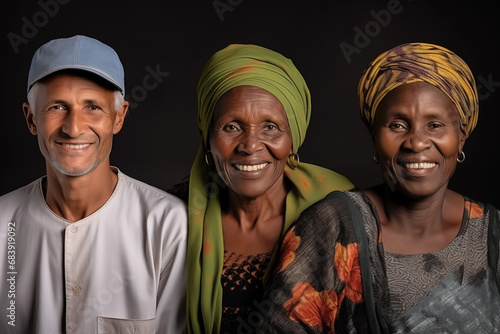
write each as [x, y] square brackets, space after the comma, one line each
[120, 117]
[30, 118]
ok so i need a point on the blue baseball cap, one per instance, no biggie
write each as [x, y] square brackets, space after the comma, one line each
[78, 53]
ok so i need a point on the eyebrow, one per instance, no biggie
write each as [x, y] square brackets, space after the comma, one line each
[86, 101]
[395, 114]
[91, 101]
[435, 115]
[57, 101]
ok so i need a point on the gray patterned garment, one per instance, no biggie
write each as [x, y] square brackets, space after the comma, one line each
[448, 291]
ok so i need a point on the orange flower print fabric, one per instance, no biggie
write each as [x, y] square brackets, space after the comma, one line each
[289, 246]
[347, 265]
[320, 309]
[473, 209]
[314, 308]
[317, 287]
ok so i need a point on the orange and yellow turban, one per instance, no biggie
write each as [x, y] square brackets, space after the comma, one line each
[412, 62]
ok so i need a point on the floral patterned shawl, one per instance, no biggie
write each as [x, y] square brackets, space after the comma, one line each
[332, 279]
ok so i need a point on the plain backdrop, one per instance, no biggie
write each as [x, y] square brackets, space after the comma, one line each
[164, 45]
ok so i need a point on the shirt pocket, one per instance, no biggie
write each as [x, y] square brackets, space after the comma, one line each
[125, 326]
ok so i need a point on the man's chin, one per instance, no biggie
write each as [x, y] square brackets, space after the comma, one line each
[72, 168]
[73, 171]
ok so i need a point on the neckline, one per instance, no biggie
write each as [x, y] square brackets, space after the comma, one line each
[265, 254]
[456, 239]
[40, 192]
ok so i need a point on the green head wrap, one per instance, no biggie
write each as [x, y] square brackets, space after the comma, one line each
[238, 65]
[253, 65]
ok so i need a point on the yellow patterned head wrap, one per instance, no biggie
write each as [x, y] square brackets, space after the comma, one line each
[412, 62]
[233, 66]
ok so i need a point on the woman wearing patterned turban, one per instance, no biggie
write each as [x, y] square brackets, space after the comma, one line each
[246, 185]
[409, 255]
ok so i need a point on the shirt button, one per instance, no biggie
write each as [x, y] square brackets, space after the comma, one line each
[77, 289]
[74, 229]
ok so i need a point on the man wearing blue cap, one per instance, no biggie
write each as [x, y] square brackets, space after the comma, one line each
[87, 249]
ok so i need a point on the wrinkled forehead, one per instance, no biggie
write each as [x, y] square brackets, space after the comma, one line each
[248, 102]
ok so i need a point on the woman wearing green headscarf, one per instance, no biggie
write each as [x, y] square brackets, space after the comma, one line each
[409, 255]
[246, 185]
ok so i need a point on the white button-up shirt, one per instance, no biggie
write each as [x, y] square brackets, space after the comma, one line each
[120, 270]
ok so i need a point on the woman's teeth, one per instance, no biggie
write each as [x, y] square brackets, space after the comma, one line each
[250, 168]
[420, 165]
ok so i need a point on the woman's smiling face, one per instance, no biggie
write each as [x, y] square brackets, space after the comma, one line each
[250, 140]
[417, 136]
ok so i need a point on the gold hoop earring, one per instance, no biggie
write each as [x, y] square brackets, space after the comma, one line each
[461, 157]
[293, 160]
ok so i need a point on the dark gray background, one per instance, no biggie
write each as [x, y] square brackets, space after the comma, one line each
[160, 138]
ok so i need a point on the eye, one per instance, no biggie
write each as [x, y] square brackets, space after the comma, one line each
[270, 125]
[435, 125]
[57, 107]
[93, 107]
[397, 126]
[231, 127]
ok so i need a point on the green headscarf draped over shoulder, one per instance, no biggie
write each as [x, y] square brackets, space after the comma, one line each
[233, 66]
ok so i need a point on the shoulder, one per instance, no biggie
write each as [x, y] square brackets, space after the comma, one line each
[21, 196]
[321, 176]
[327, 217]
[337, 202]
[479, 210]
[327, 206]
[157, 206]
[150, 194]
